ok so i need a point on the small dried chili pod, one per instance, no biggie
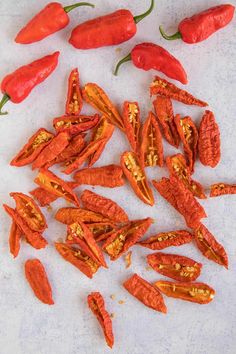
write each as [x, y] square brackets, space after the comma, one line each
[165, 116]
[174, 266]
[97, 306]
[132, 123]
[149, 56]
[145, 293]
[199, 293]
[151, 150]
[70, 215]
[167, 239]
[136, 176]
[74, 125]
[209, 246]
[165, 88]
[74, 102]
[38, 280]
[101, 230]
[14, 239]
[219, 189]
[43, 197]
[209, 141]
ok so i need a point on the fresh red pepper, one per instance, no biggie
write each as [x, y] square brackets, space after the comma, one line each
[75, 124]
[111, 29]
[18, 85]
[201, 26]
[52, 18]
[74, 102]
[149, 56]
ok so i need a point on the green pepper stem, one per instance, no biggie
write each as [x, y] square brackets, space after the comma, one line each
[4, 100]
[122, 61]
[173, 37]
[72, 7]
[139, 18]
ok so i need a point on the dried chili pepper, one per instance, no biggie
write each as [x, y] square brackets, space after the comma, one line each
[132, 123]
[96, 97]
[30, 212]
[36, 275]
[167, 239]
[14, 239]
[174, 191]
[101, 230]
[52, 18]
[74, 125]
[43, 197]
[32, 148]
[55, 185]
[151, 150]
[145, 293]
[165, 116]
[111, 29]
[35, 239]
[78, 258]
[74, 102]
[149, 56]
[18, 85]
[97, 306]
[209, 141]
[106, 176]
[136, 176]
[202, 25]
[174, 266]
[189, 136]
[219, 189]
[209, 246]
[164, 88]
[177, 167]
[70, 215]
[196, 292]
[121, 240]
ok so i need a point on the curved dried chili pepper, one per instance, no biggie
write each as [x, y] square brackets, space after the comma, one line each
[209, 246]
[167, 239]
[136, 176]
[132, 123]
[219, 189]
[106, 176]
[199, 293]
[101, 230]
[151, 150]
[97, 306]
[74, 102]
[145, 293]
[165, 88]
[14, 239]
[209, 140]
[74, 125]
[174, 266]
[70, 215]
[177, 167]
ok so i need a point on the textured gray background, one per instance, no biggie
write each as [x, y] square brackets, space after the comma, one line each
[68, 327]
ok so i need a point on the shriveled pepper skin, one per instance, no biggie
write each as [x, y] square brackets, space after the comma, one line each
[74, 102]
[74, 125]
[70, 215]
[167, 239]
[14, 239]
[219, 189]
[43, 197]
[102, 230]
[132, 123]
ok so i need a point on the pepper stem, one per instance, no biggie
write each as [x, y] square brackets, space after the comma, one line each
[72, 7]
[175, 36]
[4, 100]
[122, 61]
[139, 18]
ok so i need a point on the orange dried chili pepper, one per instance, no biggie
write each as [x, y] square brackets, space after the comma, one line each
[209, 246]
[55, 185]
[74, 102]
[70, 215]
[121, 240]
[78, 258]
[219, 189]
[189, 136]
[136, 176]
[145, 293]
[174, 191]
[96, 97]
[167, 239]
[43, 197]
[209, 141]
[30, 212]
[199, 293]
[101, 230]
[151, 151]
[97, 306]
[164, 88]
[14, 239]
[107, 207]
[132, 123]
[32, 148]
[36, 275]
[174, 266]
[74, 125]
[106, 176]
[35, 239]
[177, 167]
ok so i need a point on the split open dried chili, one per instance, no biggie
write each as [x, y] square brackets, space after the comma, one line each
[74, 125]
[14, 239]
[167, 239]
[101, 230]
[70, 215]
[74, 102]
[219, 189]
[132, 123]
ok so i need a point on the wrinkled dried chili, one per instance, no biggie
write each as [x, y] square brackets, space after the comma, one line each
[132, 123]
[74, 125]
[167, 239]
[14, 239]
[74, 102]
[219, 189]
[70, 215]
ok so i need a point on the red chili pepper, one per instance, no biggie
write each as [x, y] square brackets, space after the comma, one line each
[74, 102]
[149, 56]
[14, 239]
[132, 123]
[201, 26]
[167, 239]
[43, 197]
[111, 29]
[70, 215]
[18, 85]
[219, 189]
[74, 125]
[52, 18]
[101, 230]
